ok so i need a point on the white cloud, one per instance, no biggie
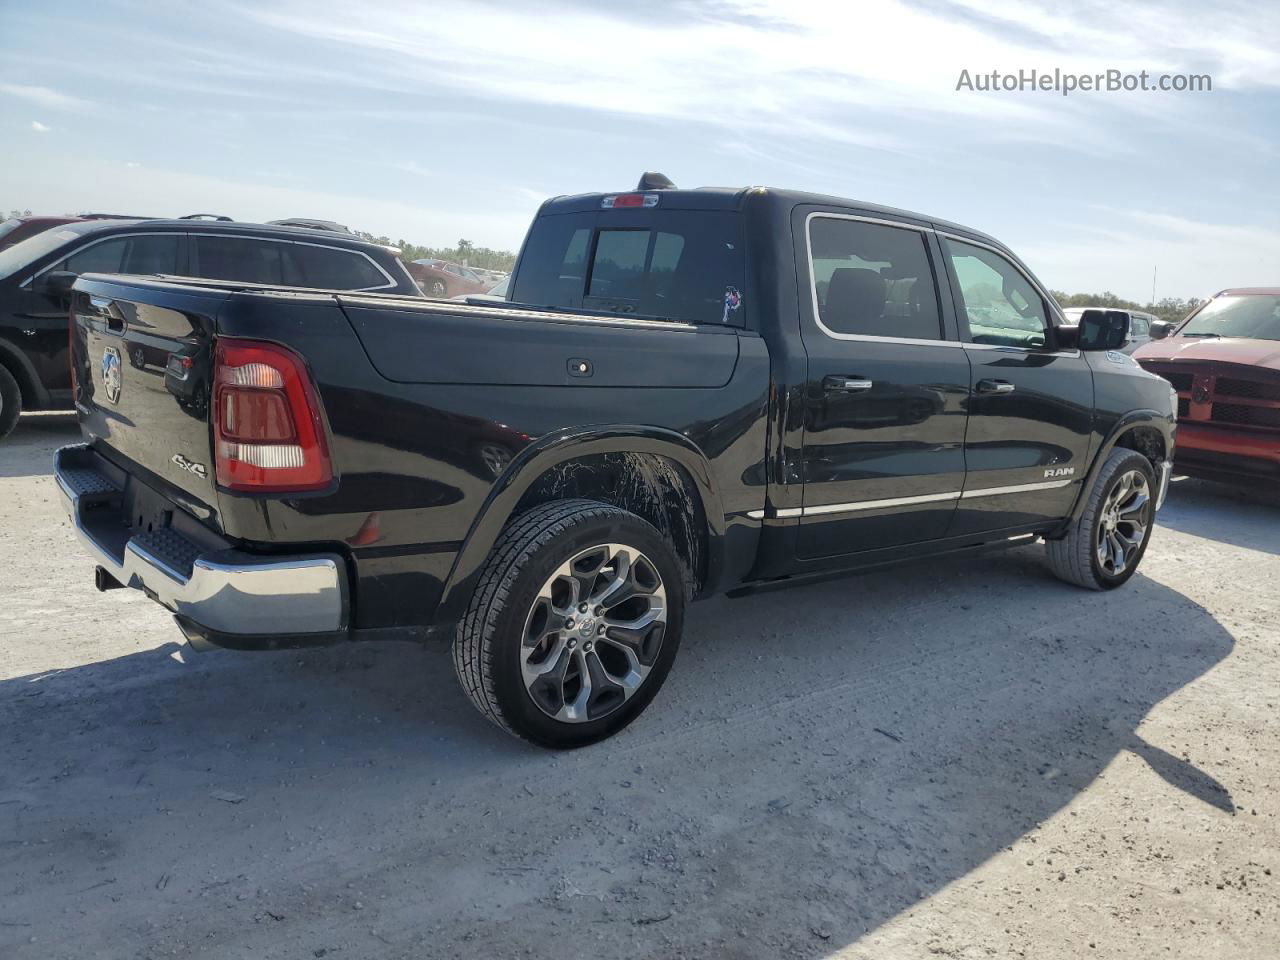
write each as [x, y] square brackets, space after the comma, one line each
[39, 127]
[838, 72]
[1191, 258]
[60, 183]
[44, 96]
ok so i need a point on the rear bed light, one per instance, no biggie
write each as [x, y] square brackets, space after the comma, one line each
[268, 434]
[629, 200]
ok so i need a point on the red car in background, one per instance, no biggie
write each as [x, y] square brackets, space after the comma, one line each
[439, 278]
[17, 229]
[1224, 363]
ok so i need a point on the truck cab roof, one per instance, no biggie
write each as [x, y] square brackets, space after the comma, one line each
[733, 198]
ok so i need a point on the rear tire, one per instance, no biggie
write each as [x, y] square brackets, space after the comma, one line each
[574, 623]
[10, 403]
[1102, 549]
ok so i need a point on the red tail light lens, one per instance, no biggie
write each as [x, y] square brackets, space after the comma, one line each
[268, 434]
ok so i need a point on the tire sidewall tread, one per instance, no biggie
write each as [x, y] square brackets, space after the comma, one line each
[526, 553]
[10, 402]
[1073, 557]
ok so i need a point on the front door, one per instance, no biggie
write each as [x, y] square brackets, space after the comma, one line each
[1031, 412]
[886, 393]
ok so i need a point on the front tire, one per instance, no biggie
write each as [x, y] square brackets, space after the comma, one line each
[574, 623]
[1102, 549]
[10, 403]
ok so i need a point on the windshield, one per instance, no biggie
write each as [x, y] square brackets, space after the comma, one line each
[28, 251]
[1255, 316]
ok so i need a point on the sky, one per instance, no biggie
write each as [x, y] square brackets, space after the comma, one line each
[434, 122]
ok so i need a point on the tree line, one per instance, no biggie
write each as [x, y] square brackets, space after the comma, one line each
[1172, 309]
[464, 252]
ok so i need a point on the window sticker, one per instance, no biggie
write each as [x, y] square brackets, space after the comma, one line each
[732, 301]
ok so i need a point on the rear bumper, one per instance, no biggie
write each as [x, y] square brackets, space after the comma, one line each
[225, 596]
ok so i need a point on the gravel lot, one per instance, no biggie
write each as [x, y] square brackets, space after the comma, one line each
[964, 759]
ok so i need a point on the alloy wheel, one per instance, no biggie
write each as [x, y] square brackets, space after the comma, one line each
[1123, 522]
[593, 633]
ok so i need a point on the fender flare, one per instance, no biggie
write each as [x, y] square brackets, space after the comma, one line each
[539, 457]
[1125, 424]
[14, 357]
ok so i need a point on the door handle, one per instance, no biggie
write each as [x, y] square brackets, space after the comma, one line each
[995, 386]
[846, 384]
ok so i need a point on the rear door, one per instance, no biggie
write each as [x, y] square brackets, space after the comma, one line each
[887, 387]
[1031, 413]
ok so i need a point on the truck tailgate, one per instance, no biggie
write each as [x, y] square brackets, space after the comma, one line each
[141, 379]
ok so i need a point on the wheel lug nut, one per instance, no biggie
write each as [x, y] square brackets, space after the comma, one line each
[582, 608]
[569, 623]
[572, 644]
[587, 646]
[599, 611]
[600, 629]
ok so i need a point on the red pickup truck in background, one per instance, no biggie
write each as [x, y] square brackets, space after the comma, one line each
[1224, 362]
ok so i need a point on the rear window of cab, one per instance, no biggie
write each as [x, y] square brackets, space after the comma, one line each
[665, 264]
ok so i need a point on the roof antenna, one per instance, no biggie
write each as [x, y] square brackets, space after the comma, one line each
[652, 180]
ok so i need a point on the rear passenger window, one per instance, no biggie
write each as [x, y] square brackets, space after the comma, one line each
[873, 280]
[157, 253]
[330, 269]
[238, 258]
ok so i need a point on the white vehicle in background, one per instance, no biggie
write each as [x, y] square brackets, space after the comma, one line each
[1139, 324]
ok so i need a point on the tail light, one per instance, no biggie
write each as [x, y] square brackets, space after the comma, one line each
[268, 434]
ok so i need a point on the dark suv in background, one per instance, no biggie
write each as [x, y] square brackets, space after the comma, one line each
[36, 276]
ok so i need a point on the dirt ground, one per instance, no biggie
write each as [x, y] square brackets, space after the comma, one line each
[964, 759]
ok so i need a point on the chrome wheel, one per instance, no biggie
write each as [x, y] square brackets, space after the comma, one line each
[593, 633]
[1122, 523]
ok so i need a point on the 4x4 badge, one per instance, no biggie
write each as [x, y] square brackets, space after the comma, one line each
[112, 374]
[190, 465]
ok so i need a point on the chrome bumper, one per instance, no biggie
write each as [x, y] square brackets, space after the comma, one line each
[1166, 471]
[227, 591]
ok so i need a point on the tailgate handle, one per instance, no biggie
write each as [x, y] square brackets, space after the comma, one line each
[115, 323]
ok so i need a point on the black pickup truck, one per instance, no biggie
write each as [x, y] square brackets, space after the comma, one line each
[692, 392]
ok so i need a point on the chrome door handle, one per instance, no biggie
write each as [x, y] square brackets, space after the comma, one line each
[846, 384]
[995, 386]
